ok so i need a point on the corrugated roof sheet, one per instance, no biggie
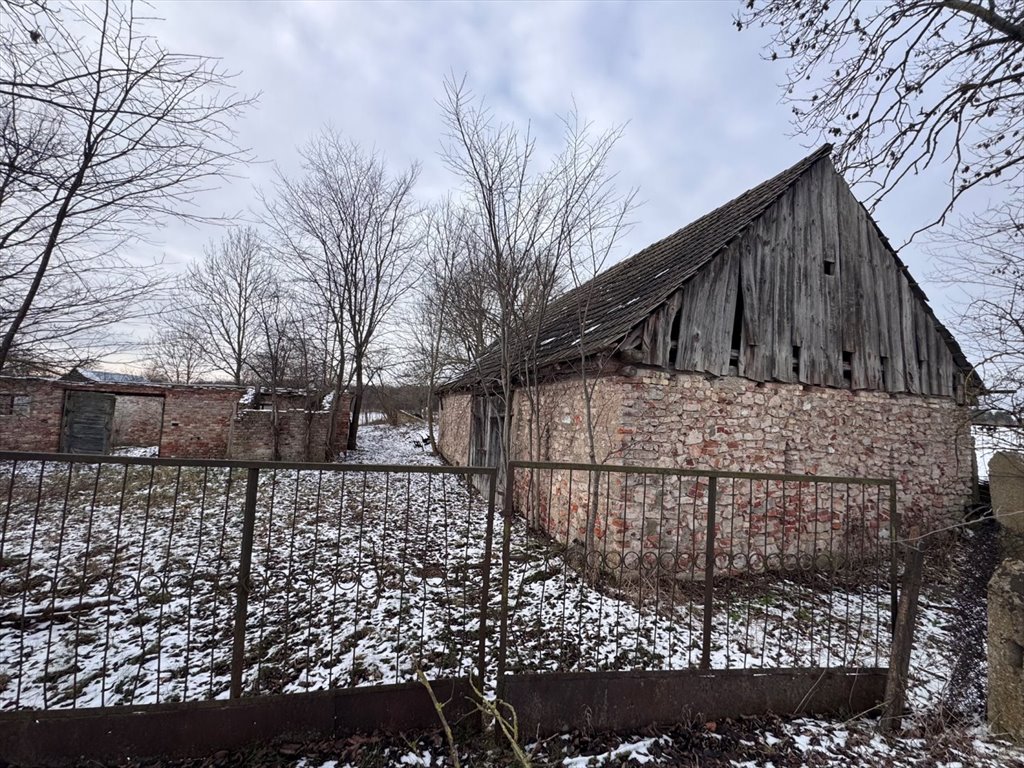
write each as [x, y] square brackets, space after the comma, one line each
[107, 377]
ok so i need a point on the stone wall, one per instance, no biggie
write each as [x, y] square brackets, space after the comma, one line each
[137, 420]
[1006, 650]
[453, 426]
[1006, 481]
[686, 421]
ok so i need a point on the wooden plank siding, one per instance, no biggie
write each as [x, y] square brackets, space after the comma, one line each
[814, 296]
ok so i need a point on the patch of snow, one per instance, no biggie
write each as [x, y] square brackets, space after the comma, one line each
[248, 397]
[415, 758]
[635, 751]
[149, 451]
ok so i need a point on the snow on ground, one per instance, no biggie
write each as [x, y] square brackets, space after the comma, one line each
[360, 577]
[150, 451]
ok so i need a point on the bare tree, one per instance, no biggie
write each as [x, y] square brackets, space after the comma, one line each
[348, 229]
[221, 293]
[527, 226]
[444, 325]
[904, 85]
[176, 353]
[273, 321]
[104, 133]
[993, 279]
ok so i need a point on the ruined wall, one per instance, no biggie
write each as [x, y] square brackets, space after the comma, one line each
[302, 435]
[454, 420]
[39, 429]
[197, 421]
[691, 421]
[137, 420]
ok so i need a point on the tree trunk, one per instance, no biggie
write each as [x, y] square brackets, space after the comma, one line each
[357, 401]
[44, 261]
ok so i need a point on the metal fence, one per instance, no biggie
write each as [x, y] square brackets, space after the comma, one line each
[649, 568]
[128, 581]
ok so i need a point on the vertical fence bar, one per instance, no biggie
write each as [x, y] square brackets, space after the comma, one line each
[244, 572]
[709, 574]
[506, 547]
[485, 573]
[894, 535]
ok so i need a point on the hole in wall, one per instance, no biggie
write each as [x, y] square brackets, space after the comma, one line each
[848, 368]
[796, 361]
[830, 266]
[737, 334]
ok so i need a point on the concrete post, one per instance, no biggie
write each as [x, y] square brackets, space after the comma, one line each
[1006, 650]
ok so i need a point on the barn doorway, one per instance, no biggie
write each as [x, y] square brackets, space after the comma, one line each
[88, 422]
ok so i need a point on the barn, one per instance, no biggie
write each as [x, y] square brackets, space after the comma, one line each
[780, 333]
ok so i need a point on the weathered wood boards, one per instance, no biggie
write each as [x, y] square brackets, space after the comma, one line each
[811, 293]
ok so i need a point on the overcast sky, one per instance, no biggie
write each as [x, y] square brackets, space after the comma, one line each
[702, 109]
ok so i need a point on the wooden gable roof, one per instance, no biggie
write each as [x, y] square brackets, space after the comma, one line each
[619, 309]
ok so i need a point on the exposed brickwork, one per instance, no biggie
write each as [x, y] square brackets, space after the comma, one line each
[668, 419]
[302, 434]
[39, 430]
[198, 421]
[137, 420]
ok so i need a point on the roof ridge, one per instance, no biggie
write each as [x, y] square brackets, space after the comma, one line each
[825, 150]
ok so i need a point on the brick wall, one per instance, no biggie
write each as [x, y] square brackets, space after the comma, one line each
[197, 421]
[137, 420]
[667, 419]
[39, 429]
[302, 435]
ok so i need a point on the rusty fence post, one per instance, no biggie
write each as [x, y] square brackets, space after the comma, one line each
[709, 574]
[506, 547]
[485, 587]
[902, 640]
[244, 586]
